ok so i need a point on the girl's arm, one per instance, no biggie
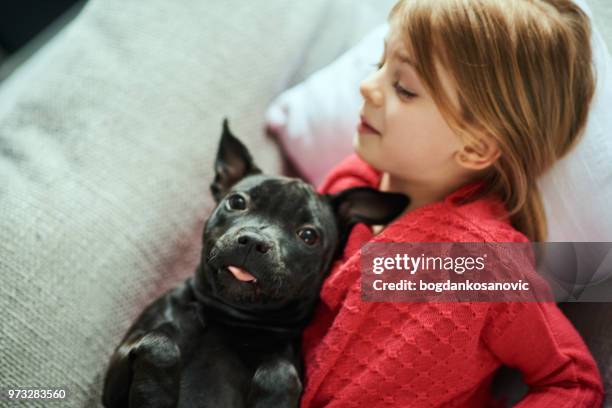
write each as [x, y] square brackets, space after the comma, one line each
[537, 339]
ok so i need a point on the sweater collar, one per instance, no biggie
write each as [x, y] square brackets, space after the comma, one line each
[490, 205]
[456, 198]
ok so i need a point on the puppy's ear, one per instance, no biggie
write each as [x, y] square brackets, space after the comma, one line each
[366, 205]
[233, 163]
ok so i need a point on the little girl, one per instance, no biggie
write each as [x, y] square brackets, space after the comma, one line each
[472, 101]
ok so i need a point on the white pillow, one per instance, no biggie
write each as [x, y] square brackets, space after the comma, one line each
[316, 120]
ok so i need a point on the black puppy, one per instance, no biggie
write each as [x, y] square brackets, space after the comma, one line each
[230, 335]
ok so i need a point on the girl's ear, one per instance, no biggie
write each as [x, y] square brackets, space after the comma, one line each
[478, 156]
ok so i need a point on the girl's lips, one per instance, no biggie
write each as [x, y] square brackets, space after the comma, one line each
[364, 127]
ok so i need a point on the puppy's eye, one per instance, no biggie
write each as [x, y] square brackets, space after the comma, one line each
[308, 235]
[236, 202]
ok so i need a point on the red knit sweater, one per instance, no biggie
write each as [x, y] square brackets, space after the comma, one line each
[383, 354]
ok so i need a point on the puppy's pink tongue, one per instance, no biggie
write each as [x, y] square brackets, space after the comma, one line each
[241, 274]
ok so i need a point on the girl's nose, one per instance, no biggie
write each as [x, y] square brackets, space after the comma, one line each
[370, 90]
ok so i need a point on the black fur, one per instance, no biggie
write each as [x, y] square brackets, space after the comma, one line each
[217, 341]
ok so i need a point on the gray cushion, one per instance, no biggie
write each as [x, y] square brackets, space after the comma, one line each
[594, 323]
[106, 144]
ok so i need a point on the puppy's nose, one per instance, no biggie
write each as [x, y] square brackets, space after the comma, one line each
[251, 239]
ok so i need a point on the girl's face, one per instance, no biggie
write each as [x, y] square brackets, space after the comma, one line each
[402, 132]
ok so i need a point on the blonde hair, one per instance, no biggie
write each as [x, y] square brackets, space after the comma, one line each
[524, 76]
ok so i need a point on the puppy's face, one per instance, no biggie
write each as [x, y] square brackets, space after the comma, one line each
[271, 240]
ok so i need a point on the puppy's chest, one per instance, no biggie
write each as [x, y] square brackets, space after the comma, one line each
[216, 346]
[221, 367]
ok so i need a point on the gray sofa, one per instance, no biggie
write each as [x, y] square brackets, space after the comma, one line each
[106, 143]
[107, 136]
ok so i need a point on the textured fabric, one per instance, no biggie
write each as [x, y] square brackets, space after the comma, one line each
[107, 138]
[594, 322]
[384, 354]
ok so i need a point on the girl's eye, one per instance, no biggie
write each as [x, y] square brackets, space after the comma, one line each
[380, 62]
[308, 235]
[403, 92]
[235, 202]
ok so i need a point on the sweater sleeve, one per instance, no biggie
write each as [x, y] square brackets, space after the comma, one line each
[537, 339]
[351, 172]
